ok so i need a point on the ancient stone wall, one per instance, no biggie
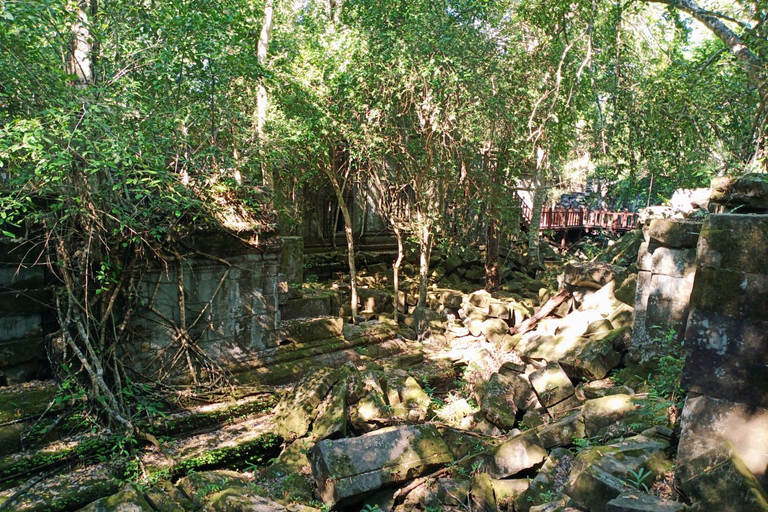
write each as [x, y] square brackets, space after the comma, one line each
[231, 308]
[24, 314]
[666, 267]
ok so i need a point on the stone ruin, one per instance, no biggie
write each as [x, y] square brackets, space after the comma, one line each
[701, 280]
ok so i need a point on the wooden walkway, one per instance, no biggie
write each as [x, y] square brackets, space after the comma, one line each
[565, 219]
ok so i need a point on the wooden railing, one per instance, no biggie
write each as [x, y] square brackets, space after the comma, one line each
[562, 218]
[575, 218]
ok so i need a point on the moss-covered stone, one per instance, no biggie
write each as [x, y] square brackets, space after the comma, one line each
[347, 469]
[129, 499]
[674, 233]
[721, 481]
[549, 481]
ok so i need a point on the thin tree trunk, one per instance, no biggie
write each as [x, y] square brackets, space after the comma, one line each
[492, 271]
[80, 58]
[396, 268]
[261, 94]
[539, 196]
[425, 250]
[350, 240]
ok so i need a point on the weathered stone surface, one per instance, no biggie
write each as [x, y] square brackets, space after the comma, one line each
[494, 329]
[594, 488]
[721, 481]
[296, 412]
[241, 500]
[481, 494]
[625, 291]
[577, 322]
[508, 490]
[635, 501]
[549, 481]
[14, 352]
[592, 359]
[519, 453]
[551, 384]
[499, 310]
[426, 322]
[292, 259]
[731, 293]
[127, 500]
[70, 490]
[728, 357]
[674, 233]
[590, 275]
[749, 190]
[346, 470]
[600, 474]
[442, 493]
[734, 242]
[375, 301]
[708, 422]
[615, 415]
[563, 431]
[407, 399]
[503, 395]
[603, 300]
[311, 307]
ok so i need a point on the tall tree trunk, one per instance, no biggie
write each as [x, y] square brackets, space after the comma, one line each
[539, 196]
[396, 268]
[261, 94]
[80, 60]
[330, 172]
[492, 270]
[425, 251]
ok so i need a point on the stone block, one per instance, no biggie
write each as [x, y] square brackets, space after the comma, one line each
[551, 384]
[494, 329]
[728, 357]
[499, 310]
[548, 481]
[292, 259]
[14, 352]
[673, 262]
[307, 307]
[636, 501]
[17, 277]
[374, 301]
[674, 233]
[306, 330]
[627, 290]
[721, 481]
[707, 422]
[517, 454]
[594, 488]
[592, 359]
[749, 190]
[734, 242]
[20, 326]
[589, 275]
[563, 431]
[731, 293]
[346, 470]
[615, 415]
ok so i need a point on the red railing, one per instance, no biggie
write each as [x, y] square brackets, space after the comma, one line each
[567, 218]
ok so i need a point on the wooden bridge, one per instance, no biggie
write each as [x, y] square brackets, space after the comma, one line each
[566, 219]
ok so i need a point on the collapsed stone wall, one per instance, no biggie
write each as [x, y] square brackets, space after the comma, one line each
[709, 282]
[666, 265]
